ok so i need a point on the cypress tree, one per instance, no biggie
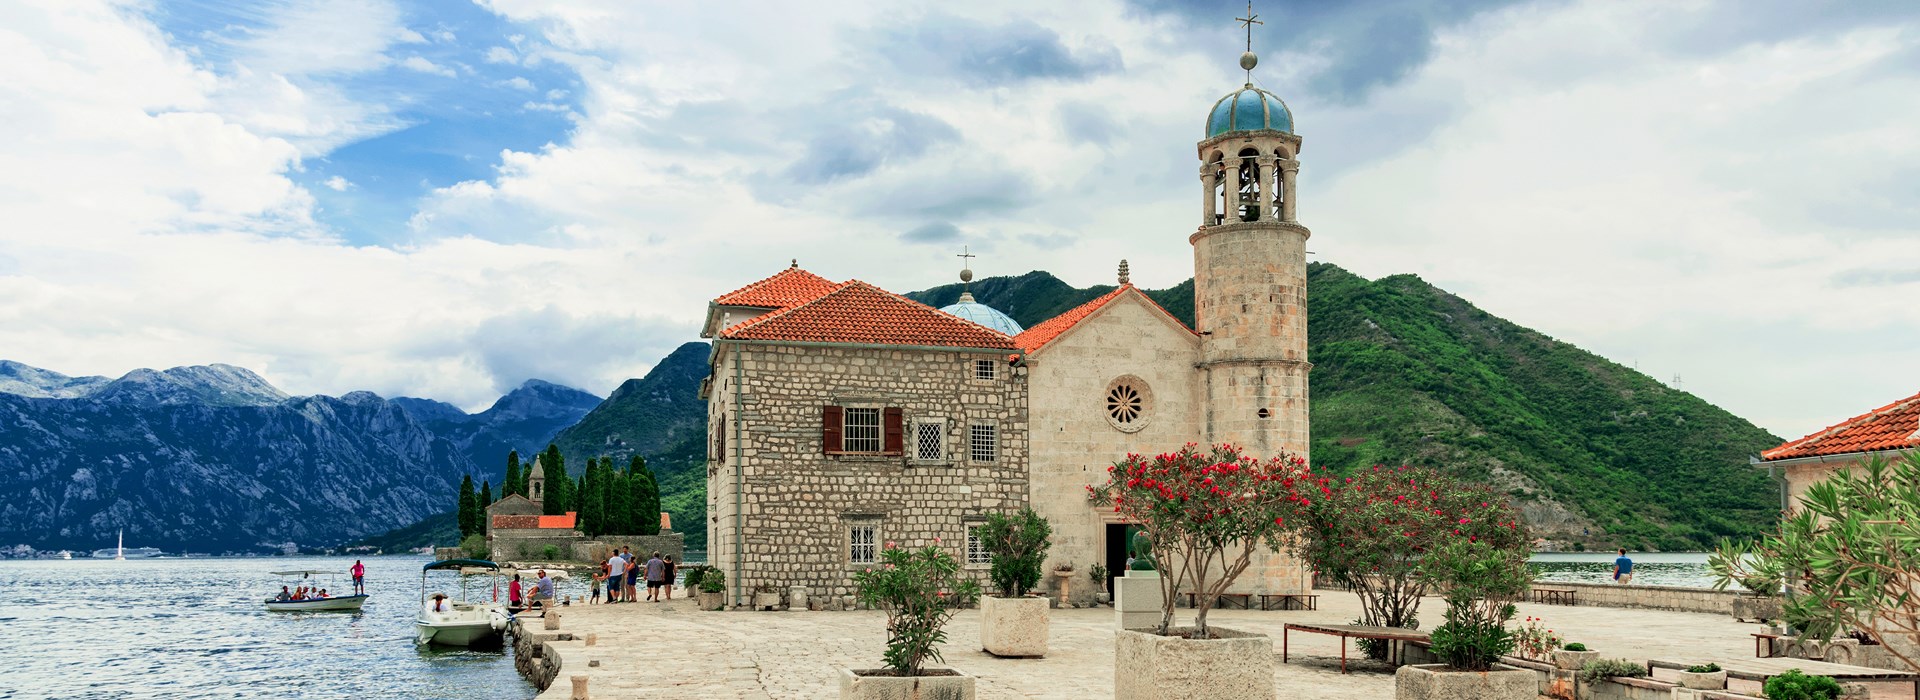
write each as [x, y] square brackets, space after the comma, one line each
[511, 485]
[646, 498]
[619, 519]
[558, 499]
[486, 499]
[592, 511]
[467, 512]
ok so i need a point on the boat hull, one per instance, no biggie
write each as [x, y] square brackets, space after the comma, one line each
[345, 603]
[456, 634]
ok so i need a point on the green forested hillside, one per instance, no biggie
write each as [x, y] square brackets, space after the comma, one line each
[1595, 453]
[660, 417]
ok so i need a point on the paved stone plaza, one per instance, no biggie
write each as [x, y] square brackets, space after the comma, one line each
[671, 650]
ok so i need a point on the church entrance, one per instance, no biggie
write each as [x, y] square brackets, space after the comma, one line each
[1117, 537]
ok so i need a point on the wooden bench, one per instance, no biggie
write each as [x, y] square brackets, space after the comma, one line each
[1762, 641]
[1290, 601]
[1557, 596]
[1246, 600]
[1391, 635]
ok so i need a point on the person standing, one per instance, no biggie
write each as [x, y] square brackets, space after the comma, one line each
[1623, 569]
[513, 593]
[633, 577]
[359, 572]
[666, 582]
[599, 574]
[655, 570]
[616, 573]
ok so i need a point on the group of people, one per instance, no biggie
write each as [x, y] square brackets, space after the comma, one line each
[301, 593]
[622, 576]
[538, 595]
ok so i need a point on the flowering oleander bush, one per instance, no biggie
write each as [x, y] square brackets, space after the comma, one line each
[1482, 582]
[920, 589]
[1370, 531]
[1205, 513]
[1533, 640]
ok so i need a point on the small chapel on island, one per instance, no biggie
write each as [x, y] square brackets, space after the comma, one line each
[843, 416]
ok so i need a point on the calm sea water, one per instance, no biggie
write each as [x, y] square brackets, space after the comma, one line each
[1649, 568]
[194, 628]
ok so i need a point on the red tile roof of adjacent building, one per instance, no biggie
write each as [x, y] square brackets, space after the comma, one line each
[1895, 426]
[791, 287]
[560, 522]
[1046, 331]
[857, 312]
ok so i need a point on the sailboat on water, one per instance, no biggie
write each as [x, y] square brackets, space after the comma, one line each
[120, 548]
[119, 552]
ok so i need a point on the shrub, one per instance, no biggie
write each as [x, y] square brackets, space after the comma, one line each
[474, 547]
[713, 580]
[920, 590]
[1707, 668]
[1482, 582]
[690, 576]
[1575, 646]
[1855, 550]
[1534, 640]
[1098, 573]
[1204, 514]
[1794, 685]
[1602, 669]
[1368, 533]
[550, 553]
[1019, 544]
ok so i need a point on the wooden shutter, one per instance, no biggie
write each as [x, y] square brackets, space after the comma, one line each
[830, 422]
[723, 439]
[895, 431]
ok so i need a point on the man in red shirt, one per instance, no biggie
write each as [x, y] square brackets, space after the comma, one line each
[359, 578]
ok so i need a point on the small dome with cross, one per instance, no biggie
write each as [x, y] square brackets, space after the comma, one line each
[1249, 109]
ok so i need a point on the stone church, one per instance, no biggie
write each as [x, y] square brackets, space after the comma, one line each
[844, 416]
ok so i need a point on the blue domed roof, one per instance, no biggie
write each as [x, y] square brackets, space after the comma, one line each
[1249, 109]
[983, 315]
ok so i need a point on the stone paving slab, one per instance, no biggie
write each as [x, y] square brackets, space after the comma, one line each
[672, 650]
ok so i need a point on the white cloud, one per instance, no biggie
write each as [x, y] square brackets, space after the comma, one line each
[518, 83]
[501, 54]
[422, 65]
[338, 184]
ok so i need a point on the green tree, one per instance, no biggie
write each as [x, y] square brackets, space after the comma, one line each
[515, 481]
[619, 502]
[558, 499]
[646, 497]
[486, 499]
[1019, 545]
[469, 507]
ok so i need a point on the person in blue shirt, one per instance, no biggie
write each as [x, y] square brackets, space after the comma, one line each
[1623, 569]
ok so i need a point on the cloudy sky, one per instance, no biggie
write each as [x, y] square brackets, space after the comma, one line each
[443, 199]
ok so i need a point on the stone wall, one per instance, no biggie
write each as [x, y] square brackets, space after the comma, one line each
[526, 543]
[800, 502]
[1610, 595]
[671, 544]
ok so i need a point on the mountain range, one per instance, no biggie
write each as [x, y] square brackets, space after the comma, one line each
[214, 458]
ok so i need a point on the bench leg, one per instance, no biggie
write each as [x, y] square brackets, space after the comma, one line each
[1285, 637]
[1343, 653]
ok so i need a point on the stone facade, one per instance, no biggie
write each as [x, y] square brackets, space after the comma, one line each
[799, 505]
[667, 543]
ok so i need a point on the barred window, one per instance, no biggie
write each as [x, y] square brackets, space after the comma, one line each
[862, 430]
[860, 544]
[984, 369]
[929, 441]
[977, 548]
[982, 443]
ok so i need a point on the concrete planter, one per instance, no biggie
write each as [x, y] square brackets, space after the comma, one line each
[1755, 608]
[1136, 600]
[766, 600]
[947, 684]
[1013, 626]
[1234, 664]
[1716, 680]
[710, 600]
[1573, 660]
[1441, 682]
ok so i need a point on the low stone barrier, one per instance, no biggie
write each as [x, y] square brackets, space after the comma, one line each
[1557, 683]
[533, 653]
[1613, 595]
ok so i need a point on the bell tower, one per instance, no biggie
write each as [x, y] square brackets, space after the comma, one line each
[1250, 272]
[536, 482]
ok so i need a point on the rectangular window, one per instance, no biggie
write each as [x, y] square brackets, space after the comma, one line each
[984, 369]
[977, 548]
[983, 443]
[929, 442]
[860, 544]
[862, 430]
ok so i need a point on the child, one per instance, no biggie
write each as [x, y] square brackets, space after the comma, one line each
[597, 578]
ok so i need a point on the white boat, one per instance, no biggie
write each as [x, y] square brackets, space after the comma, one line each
[120, 548]
[314, 603]
[443, 620]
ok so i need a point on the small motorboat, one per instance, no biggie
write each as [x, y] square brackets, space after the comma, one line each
[445, 621]
[314, 600]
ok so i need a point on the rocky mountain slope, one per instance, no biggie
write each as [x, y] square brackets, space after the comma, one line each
[214, 458]
[660, 417]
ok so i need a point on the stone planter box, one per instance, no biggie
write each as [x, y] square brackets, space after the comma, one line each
[1014, 626]
[710, 600]
[1440, 682]
[1573, 660]
[947, 685]
[1234, 664]
[1136, 600]
[764, 601]
[1716, 680]
[1756, 608]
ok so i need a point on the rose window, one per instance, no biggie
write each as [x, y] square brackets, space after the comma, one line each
[1124, 404]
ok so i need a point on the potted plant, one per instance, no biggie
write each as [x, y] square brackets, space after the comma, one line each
[1573, 656]
[1794, 685]
[1482, 582]
[1014, 623]
[713, 586]
[766, 596]
[1535, 641]
[1599, 670]
[920, 590]
[1099, 575]
[1205, 513]
[1704, 677]
[1064, 571]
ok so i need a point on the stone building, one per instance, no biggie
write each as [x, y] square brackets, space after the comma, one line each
[1883, 432]
[843, 416]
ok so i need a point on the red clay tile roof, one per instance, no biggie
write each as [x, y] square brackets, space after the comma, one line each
[1894, 426]
[562, 522]
[791, 287]
[857, 312]
[1046, 331]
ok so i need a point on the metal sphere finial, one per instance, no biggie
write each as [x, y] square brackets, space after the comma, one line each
[966, 274]
[1248, 60]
